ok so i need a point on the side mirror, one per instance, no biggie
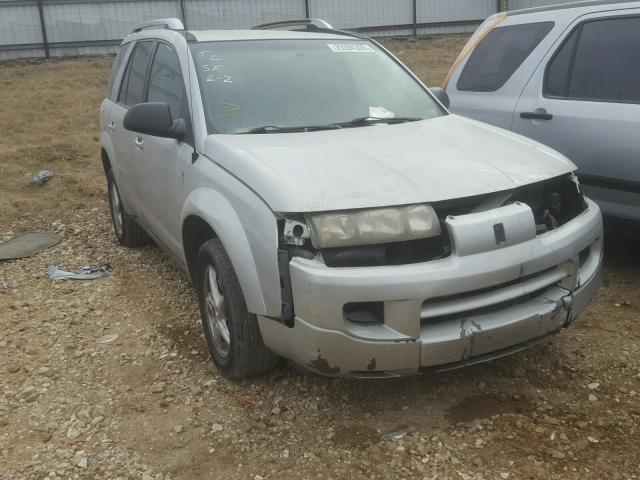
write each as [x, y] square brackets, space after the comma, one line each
[154, 118]
[441, 94]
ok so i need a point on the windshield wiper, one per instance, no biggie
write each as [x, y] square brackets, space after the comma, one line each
[356, 122]
[276, 129]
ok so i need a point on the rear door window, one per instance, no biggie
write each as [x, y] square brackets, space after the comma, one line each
[499, 55]
[132, 89]
[601, 63]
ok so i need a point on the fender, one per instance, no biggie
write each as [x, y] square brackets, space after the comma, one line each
[252, 246]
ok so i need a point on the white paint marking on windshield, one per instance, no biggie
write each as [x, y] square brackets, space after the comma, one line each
[350, 48]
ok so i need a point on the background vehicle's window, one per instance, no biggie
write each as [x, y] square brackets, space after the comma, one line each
[165, 81]
[300, 83]
[607, 61]
[132, 89]
[117, 62]
[499, 55]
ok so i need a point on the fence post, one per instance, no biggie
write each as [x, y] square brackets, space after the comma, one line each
[43, 28]
[415, 18]
[307, 12]
[183, 14]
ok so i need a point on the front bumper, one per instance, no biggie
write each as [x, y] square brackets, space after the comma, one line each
[483, 301]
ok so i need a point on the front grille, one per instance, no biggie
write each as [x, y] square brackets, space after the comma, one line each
[490, 299]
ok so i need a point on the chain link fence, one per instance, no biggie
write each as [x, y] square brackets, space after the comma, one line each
[54, 28]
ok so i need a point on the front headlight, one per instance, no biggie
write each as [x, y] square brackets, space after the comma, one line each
[372, 226]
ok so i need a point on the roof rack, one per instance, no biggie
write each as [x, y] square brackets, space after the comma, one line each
[314, 23]
[165, 23]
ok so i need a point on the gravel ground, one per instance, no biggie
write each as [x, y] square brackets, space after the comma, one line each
[111, 378]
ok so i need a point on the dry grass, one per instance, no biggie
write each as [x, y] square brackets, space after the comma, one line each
[429, 58]
[49, 120]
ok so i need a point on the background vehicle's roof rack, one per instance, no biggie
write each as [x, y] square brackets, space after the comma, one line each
[309, 23]
[166, 23]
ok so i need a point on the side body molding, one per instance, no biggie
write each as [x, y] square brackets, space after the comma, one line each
[250, 240]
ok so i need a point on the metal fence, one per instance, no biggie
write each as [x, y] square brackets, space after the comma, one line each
[53, 28]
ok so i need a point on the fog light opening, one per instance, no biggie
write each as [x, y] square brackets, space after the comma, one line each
[364, 313]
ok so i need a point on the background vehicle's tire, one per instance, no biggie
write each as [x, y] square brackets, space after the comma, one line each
[232, 333]
[127, 230]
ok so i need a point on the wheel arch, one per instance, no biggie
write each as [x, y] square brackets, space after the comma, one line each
[208, 214]
[106, 162]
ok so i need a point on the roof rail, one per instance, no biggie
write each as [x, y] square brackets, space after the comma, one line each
[314, 23]
[165, 23]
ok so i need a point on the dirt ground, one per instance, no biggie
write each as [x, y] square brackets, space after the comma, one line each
[150, 405]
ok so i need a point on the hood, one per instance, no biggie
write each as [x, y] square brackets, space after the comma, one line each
[427, 161]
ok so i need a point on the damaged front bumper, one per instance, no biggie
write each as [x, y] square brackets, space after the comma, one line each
[484, 301]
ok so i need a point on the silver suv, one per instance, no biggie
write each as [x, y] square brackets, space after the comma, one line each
[567, 76]
[330, 210]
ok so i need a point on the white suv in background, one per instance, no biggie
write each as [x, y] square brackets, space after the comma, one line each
[567, 76]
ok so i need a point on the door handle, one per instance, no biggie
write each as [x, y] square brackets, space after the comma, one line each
[538, 114]
[139, 143]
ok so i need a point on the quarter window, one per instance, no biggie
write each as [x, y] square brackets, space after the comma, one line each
[117, 63]
[166, 83]
[557, 81]
[132, 89]
[499, 55]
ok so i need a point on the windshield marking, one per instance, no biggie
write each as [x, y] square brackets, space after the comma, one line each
[217, 78]
[350, 48]
[231, 108]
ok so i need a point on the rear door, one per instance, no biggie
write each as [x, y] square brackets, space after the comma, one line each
[584, 101]
[489, 84]
[156, 159]
[131, 93]
[109, 109]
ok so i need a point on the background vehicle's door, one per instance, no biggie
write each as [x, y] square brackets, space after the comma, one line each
[584, 101]
[131, 92]
[156, 159]
[491, 80]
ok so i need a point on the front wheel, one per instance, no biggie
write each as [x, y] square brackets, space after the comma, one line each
[232, 333]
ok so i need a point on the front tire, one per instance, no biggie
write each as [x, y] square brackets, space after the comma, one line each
[232, 333]
[127, 230]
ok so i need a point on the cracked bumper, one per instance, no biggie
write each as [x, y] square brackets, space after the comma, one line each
[470, 307]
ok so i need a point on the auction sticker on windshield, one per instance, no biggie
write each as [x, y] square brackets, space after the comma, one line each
[350, 48]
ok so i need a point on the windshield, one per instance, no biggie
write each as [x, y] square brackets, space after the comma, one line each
[288, 84]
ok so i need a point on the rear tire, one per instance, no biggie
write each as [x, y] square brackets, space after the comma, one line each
[127, 230]
[232, 333]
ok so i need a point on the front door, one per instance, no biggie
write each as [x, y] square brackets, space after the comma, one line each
[157, 159]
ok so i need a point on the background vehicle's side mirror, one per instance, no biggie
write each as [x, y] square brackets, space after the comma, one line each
[154, 118]
[441, 94]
